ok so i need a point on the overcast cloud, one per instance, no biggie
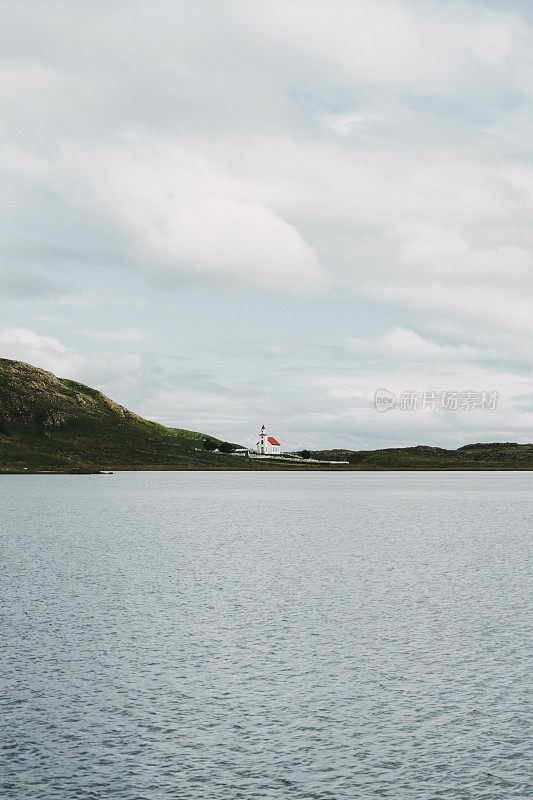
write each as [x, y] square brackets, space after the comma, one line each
[225, 214]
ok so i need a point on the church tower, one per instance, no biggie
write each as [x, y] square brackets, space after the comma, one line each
[267, 445]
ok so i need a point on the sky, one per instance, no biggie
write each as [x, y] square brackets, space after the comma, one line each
[224, 214]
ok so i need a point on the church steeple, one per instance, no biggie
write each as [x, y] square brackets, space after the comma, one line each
[267, 445]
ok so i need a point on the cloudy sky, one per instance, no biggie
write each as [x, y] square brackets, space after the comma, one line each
[228, 213]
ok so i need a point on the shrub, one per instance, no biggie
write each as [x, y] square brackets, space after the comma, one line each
[305, 454]
[225, 447]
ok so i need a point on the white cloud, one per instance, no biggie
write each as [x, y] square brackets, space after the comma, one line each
[374, 152]
[178, 150]
[191, 220]
[407, 346]
[158, 210]
[22, 344]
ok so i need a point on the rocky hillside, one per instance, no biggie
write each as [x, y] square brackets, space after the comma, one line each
[33, 397]
[53, 423]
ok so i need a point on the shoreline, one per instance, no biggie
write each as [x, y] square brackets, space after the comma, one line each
[284, 468]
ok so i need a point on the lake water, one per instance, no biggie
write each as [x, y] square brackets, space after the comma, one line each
[218, 636]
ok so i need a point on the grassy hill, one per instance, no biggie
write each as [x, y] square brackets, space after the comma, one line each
[49, 423]
[496, 455]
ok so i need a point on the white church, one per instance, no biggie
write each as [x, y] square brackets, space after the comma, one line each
[267, 445]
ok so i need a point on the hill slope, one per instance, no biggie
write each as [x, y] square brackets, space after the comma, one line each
[496, 455]
[57, 424]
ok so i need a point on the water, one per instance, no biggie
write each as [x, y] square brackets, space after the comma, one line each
[265, 635]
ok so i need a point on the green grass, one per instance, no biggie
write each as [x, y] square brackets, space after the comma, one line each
[496, 455]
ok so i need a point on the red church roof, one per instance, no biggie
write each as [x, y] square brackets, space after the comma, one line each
[272, 440]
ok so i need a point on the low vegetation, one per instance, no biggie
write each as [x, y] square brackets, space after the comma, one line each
[496, 455]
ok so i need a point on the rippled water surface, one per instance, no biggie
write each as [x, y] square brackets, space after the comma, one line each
[265, 635]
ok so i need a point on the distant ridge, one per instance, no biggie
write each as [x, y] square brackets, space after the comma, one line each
[494, 455]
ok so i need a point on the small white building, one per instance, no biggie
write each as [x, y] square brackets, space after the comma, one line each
[267, 445]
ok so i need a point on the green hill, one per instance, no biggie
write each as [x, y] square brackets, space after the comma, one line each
[495, 455]
[49, 423]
